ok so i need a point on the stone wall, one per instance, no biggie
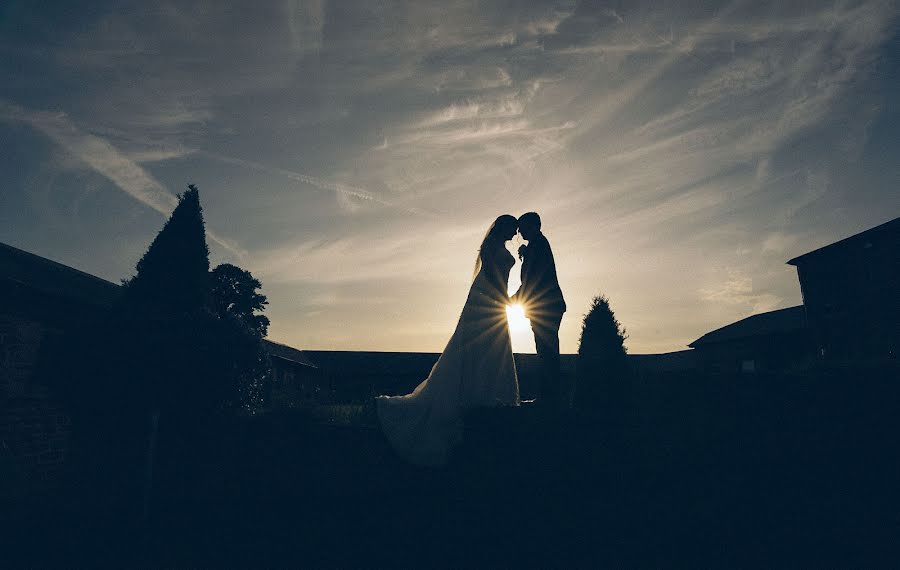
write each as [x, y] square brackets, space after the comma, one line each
[20, 341]
[34, 427]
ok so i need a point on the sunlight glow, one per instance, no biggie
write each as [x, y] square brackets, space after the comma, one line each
[520, 330]
[515, 314]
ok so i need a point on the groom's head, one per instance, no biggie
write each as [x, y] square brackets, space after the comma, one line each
[529, 225]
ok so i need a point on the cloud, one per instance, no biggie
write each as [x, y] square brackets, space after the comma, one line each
[778, 242]
[736, 112]
[738, 291]
[346, 194]
[504, 106]
[306, 19]
[96, 153]
[150, 154]
[373, 256]
[104, 159]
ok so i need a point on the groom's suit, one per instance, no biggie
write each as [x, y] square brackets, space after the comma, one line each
[544, 305]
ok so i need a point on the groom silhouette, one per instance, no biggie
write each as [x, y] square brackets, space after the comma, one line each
[542, 300]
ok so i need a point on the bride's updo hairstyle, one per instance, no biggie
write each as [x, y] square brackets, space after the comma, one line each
[496, 234]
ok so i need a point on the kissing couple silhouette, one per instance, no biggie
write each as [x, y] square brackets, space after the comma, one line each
[476, 368]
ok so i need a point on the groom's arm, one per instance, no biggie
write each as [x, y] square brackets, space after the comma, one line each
[545, 280]
[521, 293]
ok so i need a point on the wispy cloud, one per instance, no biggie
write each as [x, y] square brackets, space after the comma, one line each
[306, 19]
[373, 256]
[738, 291]
[103, 158]
[343, 191]
[96, 153]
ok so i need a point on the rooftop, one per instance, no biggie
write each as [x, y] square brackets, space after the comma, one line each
[773, 322]
[286, 352]
[860, 239]
[19, 267]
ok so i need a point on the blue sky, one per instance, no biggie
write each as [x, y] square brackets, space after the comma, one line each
[351, 154]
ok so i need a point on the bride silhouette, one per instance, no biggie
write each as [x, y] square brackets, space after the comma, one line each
[475, 369]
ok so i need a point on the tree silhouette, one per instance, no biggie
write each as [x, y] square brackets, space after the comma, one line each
[150, 385]
[148, 380]
[602, 360]
[166, 326]
[191, 338]
[173, 276]
[240, 361]
[189, 348]
[234, 294]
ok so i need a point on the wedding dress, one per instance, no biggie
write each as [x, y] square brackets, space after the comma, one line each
[475, 369]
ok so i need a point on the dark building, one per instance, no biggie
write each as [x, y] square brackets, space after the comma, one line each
[851, 292]
[767, 342]
[40, 300]
[296, 381]
[678, 364]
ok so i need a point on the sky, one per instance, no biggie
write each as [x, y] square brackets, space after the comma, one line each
[351, 155]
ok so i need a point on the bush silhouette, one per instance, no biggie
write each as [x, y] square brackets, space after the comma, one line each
[240, 361]
[234, 293]
[602, 360]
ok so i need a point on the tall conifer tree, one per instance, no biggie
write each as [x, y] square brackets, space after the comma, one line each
[173, 276]
[161, 352]
[602, 364]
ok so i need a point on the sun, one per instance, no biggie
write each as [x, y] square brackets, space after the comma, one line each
[520, 330]
[515, 314]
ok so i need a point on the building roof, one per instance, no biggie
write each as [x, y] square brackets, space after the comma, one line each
[860, 239]
[677, 361]
[287, 353]
[773, 322]
[20, 268]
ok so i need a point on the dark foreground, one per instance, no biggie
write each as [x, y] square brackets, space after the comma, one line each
[747, 472]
